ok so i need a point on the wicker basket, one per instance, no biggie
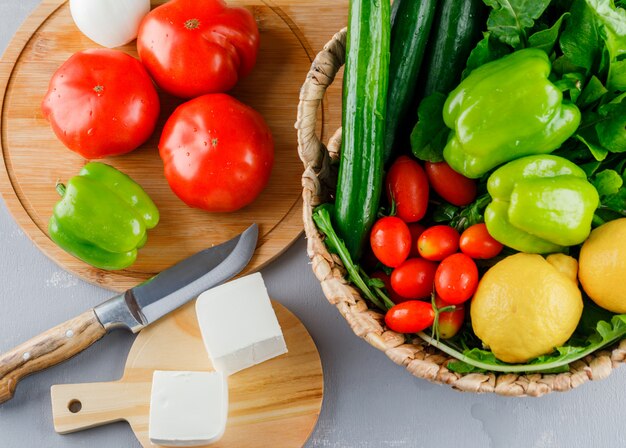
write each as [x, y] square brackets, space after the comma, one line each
[422, 360]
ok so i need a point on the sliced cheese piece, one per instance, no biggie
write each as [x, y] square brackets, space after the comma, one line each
[188, 408]
[238, 324]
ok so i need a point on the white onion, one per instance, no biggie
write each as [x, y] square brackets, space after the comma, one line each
[110, 23]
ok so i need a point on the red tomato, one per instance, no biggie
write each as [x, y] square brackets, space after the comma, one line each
[101, 103]
[391, 241]
[477, 243]
[450, 185]
[217, 152]
[394, 296]
[449, 322]
[414, 278]
[194, 47]
[408, 187]
[456, 279]
[438, 242]
[416, 230]
[410, 317]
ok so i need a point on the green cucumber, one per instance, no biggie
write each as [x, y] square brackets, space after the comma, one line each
[365, 85]
[456, 31]
[412, 21]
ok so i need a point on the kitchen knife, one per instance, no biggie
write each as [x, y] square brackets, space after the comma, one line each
[132, 310]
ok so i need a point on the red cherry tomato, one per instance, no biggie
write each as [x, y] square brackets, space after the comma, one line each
[410, 317]
[477, 243]
[456, 279]
[195, 47]
[416, 230]
[217, 152]
[449, 322]
[386, 279]
[101, 103]
[450, 185]
[414, 278]
[391, 241]
[407, 185]
[438, 242]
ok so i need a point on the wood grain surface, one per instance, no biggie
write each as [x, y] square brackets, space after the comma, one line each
[273, 404]
[33, 160]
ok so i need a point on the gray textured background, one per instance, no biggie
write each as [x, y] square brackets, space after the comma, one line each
[369, 401]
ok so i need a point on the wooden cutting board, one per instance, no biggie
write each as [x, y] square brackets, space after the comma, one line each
[272, 405]
[33, 160]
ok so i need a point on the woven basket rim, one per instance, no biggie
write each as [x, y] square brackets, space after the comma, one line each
[420, 359]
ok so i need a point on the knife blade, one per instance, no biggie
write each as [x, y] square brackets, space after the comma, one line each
[133, 310]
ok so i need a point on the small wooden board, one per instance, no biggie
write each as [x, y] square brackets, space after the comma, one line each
[274, 404]
[33, 160]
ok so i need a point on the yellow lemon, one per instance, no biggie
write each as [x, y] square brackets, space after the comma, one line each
[602, 262]
[527, 305]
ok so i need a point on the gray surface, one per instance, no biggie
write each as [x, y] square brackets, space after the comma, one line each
[369, 402]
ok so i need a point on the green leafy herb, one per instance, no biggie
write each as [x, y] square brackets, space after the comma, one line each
[590, 139]
[607, 182]
[612, 129]
[593, 92]
[509, 19]
[546, 39]
[430, 134]
[322, 219]
[462, 217]
[580, 41]
[487, 50]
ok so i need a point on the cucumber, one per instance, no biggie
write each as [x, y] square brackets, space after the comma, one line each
[456, 31]
[412, 21]
[365, 87]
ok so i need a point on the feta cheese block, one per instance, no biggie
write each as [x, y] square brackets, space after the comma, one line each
[238, 324]
[188, 408]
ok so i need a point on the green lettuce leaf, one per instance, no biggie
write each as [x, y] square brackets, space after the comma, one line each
[509, 19]
[487, 50]
[611, 129]
[580, 40]
[430, 134]
[546, 39]
[607, 182]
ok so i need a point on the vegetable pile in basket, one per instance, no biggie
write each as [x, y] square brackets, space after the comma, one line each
[481, 201]
[217, 152]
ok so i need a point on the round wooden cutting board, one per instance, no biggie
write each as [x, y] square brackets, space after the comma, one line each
[33, 160]
[274, 404]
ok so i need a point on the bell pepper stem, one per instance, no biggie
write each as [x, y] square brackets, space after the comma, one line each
[60, 188]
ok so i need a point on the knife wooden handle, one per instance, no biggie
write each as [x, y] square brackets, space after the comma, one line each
[48, 349]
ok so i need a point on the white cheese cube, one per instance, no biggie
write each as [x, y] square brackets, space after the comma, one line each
[188, 408]
[238, 324]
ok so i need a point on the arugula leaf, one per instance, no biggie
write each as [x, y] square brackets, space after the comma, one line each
[571, 83]
[602, 334]
[546, 39]
[607, 182]
[430, 134]
[487, 50]
[612, 129]
[593, 91]
[590, 140]
[615, 202]
[580, 41]
[509, 19]
[614, 21]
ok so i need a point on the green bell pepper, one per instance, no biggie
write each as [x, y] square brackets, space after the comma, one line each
[504, 110]
[540, 204]
[103, 217]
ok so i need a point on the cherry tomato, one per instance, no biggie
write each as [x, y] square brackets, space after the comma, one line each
[456, 278]
[101, 103]
[449, 322]
[410, 317]
[195, 47]
[386, 279]
[407, 185]
[217, 153]
[414, 278]
[477, 243]
[438, 242]
[416, 230]
[450, 185]
[391, 241]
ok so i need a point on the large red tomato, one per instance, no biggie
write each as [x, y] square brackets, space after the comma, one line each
[194, 47]
[218, 153]
[101, 103]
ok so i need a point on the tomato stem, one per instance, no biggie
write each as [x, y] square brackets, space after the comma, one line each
[192, 24]
[98, 89]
